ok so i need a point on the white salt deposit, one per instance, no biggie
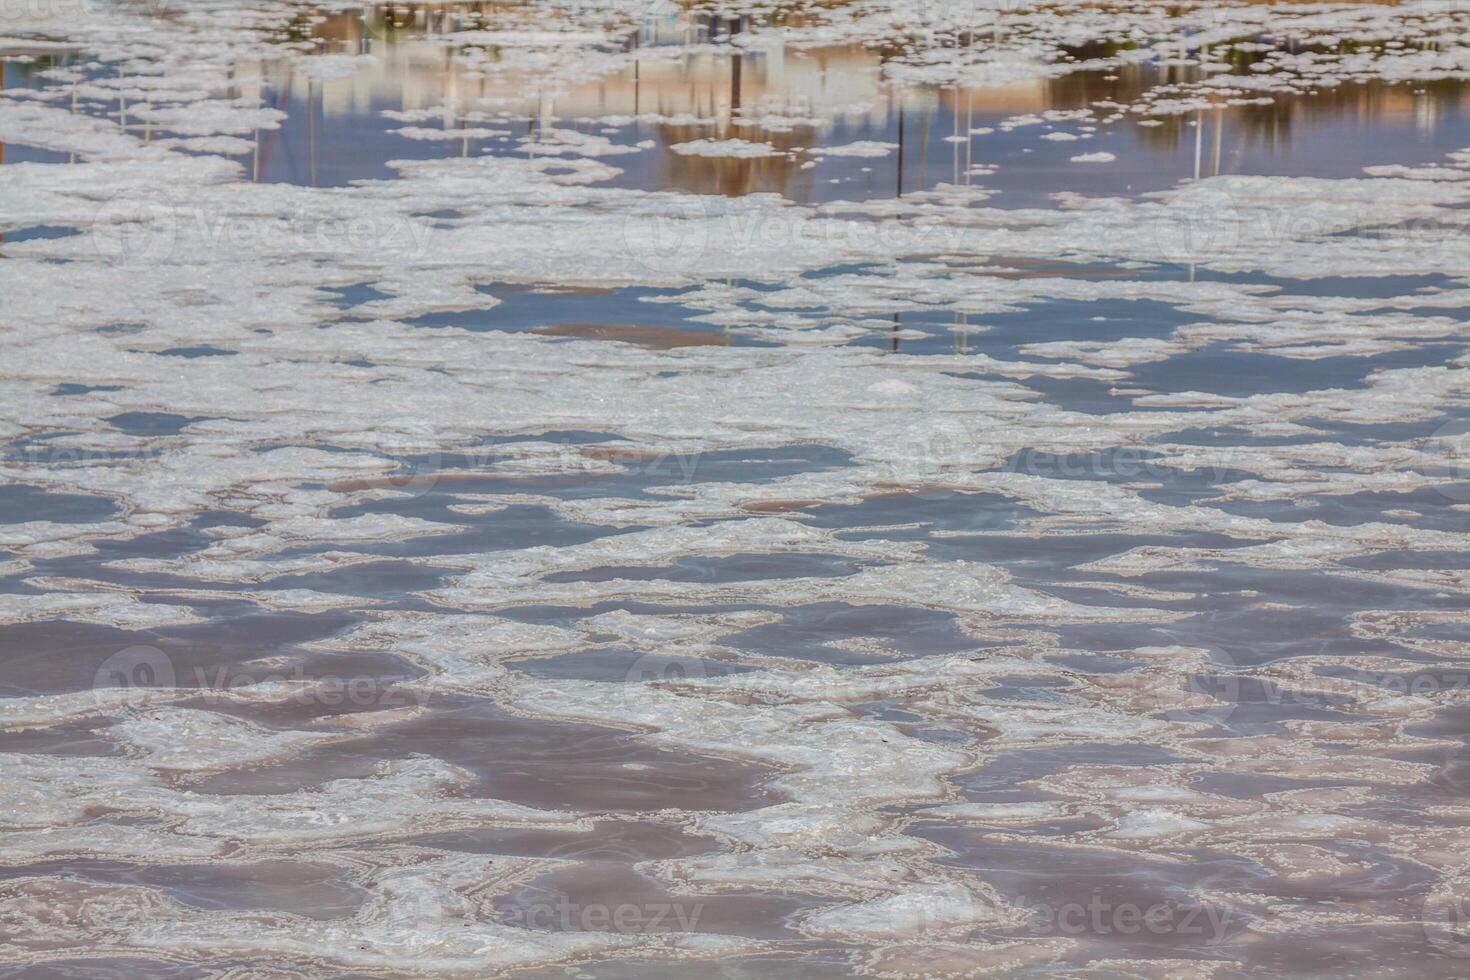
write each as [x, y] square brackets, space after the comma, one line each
[895, 607]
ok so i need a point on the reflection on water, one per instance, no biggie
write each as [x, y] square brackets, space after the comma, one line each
[661, 568]
[798, 101]
[832, 96]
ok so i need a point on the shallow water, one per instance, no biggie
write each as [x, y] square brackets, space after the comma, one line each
[552, 550]
[334, 132]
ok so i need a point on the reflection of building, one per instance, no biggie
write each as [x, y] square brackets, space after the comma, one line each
[767, 93]
[416, 71]
[43, 56]
[1420, 106]
[406, 73]
[787, 97]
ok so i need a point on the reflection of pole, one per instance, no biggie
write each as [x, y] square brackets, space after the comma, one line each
[281, 103]
[969, 140]
[899, 192]
[259, 101]
[895, 332]
[311, 127]
[956, 144]
[924, 121]
[636, 91]
[736, 64]
[1219, 134]
[73, 157]
[1199, 131]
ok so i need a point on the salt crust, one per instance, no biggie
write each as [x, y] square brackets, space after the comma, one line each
[300, 423]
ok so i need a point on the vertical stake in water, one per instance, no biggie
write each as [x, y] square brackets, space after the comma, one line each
[969, 139]
[735, 64]
[924, 123]
[1199, 133]
[311, 127]
[899, 192]
[1219, 135]
[956, 144]
[259, 101]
